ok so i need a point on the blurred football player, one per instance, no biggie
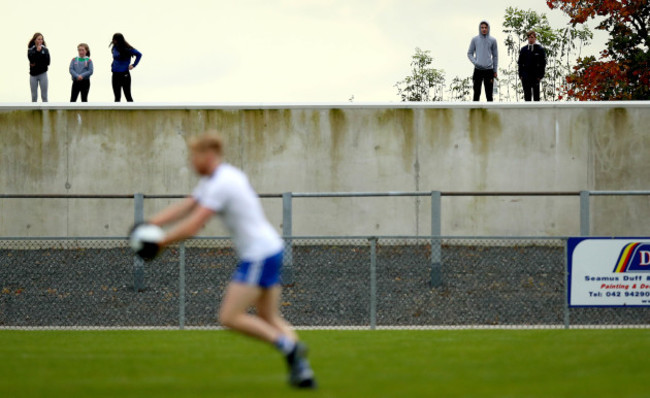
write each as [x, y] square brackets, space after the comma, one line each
[225, 190]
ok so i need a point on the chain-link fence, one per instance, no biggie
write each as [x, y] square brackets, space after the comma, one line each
[362, 282]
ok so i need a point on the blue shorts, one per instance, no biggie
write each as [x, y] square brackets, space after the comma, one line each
[264, 273]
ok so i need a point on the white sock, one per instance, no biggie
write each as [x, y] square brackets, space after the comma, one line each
[285, 344]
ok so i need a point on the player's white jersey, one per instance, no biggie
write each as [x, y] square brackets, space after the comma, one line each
[229, 193]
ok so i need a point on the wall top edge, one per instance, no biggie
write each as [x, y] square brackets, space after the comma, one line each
[315, 105]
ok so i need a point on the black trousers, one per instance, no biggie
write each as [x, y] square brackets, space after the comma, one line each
[80, 86]
[531, 89]
[122, 81]
[483, 77]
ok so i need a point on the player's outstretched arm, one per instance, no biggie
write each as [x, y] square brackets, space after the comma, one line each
[174, 212]
[189, 226]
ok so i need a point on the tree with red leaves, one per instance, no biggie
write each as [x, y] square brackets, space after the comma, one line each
[622, 72]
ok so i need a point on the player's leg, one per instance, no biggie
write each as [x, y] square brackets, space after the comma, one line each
[258, 283]
[266, 275]
[233, 313]
[300, 373]
[268, 308]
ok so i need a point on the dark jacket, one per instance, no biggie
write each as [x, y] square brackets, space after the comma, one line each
[532, 64]
[38, 60]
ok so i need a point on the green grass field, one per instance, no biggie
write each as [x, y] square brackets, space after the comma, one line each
[461, 363]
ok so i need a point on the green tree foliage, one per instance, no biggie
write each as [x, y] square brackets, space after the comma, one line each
[424, 83]
[562, 46]
[461, 89]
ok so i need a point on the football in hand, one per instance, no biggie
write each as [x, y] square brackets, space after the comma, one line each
[145, 240]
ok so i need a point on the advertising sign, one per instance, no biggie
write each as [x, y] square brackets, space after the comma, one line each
[606, 272]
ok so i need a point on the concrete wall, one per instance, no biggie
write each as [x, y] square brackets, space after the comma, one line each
[122, 149]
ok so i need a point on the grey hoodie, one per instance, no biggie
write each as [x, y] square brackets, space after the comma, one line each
[483, 52]
[81, 67]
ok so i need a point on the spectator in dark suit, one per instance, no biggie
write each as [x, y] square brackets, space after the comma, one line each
[532, 66]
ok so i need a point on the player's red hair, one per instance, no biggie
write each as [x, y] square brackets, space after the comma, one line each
[207, 142]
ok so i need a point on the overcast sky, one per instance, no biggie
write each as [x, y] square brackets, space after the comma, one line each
[251, 50]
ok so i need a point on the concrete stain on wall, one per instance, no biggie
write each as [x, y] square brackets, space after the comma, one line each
[338, 127]
[401, 122]
[264, 133]
[437, 129]
[619, 147]
[484, 128]
[30, 149]
[227, 123]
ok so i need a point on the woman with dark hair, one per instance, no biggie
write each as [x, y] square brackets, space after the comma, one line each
[81, 68]
[122, 54]
[39, 60]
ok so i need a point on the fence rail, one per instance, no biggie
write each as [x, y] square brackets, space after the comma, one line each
[340, 194]
[287, 201]
[435, 203]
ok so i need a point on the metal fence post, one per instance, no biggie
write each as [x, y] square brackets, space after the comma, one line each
[287, 233]
[373, 283]
[181, 287]
[584, 213]
[138, 263]
[566, 284]
[436, 249]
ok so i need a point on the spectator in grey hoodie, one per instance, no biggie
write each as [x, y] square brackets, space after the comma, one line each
[483, 53]
[81, 68]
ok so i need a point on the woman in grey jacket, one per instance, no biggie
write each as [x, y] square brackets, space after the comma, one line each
[81, 68]
[39, 60]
